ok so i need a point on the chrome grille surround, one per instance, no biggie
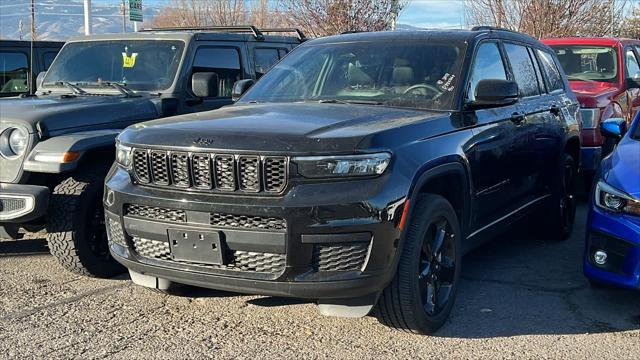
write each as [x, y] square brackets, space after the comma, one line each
[225, 173]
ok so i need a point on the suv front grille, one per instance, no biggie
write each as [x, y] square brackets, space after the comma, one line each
[247, 222]
[205, 171]
[238, 260]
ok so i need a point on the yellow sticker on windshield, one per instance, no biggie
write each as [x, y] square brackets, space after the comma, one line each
[129, 61]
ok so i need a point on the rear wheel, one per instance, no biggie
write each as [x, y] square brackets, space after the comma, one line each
[561, 213]
[75, 228]
[421, 295]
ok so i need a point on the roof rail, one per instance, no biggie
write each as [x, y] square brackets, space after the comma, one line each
[299, 33]
[351, 32]
[232, 29]
[491, 28]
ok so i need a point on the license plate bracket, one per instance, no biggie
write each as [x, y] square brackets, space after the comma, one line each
[202, 247]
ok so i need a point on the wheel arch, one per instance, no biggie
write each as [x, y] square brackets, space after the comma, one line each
[449, 180]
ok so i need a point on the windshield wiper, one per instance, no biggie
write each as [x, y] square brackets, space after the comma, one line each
[123, 90]
[74, 88]
[357, 102]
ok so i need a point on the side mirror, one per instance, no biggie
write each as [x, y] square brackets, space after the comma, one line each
[614, 128]
[204, 84]
[495, 92]
[241, 87]
[40, 79]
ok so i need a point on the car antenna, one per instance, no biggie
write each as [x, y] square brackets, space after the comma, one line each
[33, 34]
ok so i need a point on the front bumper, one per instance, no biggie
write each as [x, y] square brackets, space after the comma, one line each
[619, 236]
[590, 158]
[319, 241]
[20, 203]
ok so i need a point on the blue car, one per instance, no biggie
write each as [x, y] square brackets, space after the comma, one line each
[612, 253]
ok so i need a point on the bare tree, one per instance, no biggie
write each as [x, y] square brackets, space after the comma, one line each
[327, 17]
[201, 13]
[631, 24]
[262, 13]
[549, 18]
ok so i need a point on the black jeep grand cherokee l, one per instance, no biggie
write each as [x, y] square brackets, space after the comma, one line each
[356, 172]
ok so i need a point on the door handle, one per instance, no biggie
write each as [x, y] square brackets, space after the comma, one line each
[517, 117]
[555, 109]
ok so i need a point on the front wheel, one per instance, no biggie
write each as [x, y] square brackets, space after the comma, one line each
[76, 232]
[421, 295]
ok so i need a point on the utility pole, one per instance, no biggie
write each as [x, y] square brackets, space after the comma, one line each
[87, 17]
[33, 38]
[33, 19]
[124, 17]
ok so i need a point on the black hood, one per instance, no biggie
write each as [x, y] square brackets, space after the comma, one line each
[59, 113]
[291, 127]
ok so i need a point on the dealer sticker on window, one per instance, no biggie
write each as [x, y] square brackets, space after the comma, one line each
[129, 61]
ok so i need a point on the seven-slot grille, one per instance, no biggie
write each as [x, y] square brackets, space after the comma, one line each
[205, 171]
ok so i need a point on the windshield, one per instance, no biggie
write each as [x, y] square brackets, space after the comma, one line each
[146, 65]
[597, 63]
[401, 74]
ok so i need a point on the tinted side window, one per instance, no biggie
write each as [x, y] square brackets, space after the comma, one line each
[633, 69]
[13, 72]
[487, 65]
[551, 71]
[523, 71]
[223, 61]
[47, 59]
[264, 59]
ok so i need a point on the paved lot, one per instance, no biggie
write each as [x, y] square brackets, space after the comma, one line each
[520, 298]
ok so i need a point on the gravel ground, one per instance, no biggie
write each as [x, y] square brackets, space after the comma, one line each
[520, 298]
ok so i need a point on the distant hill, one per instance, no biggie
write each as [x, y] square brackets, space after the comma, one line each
[62, 19]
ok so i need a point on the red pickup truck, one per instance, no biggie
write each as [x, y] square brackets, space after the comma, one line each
[604, 73]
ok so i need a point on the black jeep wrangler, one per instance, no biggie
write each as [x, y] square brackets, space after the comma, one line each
[357, 172]
[56, 147]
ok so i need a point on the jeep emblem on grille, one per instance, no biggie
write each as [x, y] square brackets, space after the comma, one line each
[203, 141]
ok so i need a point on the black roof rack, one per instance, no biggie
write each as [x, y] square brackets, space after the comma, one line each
[298, 32]
[234, 29]
[491, 28]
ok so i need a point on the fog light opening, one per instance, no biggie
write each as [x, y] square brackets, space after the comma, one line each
[600, 257]
[110, 197]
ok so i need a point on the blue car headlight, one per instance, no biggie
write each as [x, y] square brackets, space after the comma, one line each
[611, 199]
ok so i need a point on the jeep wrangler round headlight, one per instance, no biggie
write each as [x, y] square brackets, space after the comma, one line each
[342, 166]
[123, 155]
[612, 199]
[13, 142]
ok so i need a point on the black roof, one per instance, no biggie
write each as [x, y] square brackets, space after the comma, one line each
[427, 34]
[27, 43]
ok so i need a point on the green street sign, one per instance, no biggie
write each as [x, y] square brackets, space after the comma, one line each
[135, 10]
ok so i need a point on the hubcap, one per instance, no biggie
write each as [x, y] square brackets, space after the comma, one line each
[437, 267]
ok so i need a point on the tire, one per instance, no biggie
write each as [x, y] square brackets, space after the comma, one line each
[75, 226]
[406, 303]
[560, 215]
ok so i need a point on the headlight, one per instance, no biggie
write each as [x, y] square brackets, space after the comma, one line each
[123, 155]
[590, 118]
[13, 142]
[612, 199]
[342, 166]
